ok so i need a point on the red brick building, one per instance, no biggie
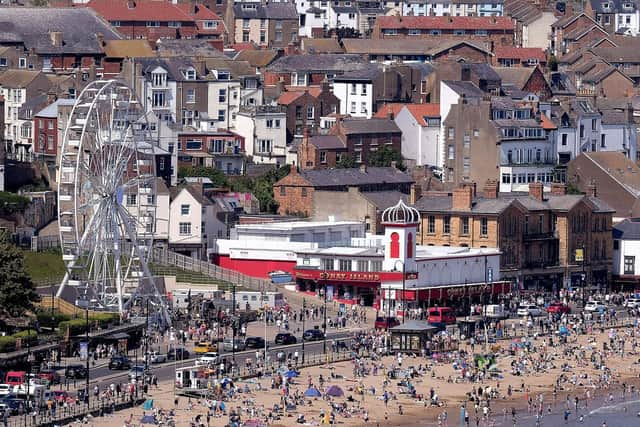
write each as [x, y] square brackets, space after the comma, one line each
[571, 32]
[361, 137]
[152, 19]
[505, 56]
[319, 151]
[305, 107]
[492, 31]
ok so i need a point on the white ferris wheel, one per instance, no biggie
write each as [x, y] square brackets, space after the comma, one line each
[107, 200]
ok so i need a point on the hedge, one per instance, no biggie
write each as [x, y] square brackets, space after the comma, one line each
[30, 335]
[48, 320]
[7, 343]
[75, 326]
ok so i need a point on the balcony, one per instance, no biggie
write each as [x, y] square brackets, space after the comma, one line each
[530, 237]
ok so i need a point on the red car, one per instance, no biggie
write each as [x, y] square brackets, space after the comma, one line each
[559, 308]
[384, 322]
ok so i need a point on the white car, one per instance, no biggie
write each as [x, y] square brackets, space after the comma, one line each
[5, 389]
[207, 359]
[594, 306]
[157, 357]
[528, 310]
[632, 303]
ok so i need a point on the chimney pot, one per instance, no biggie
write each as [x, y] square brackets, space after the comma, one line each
[416, 193]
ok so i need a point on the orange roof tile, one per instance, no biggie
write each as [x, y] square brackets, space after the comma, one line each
[420, 111]
[547, 124]
[287, 98]
[501, 23]
[143, 10]
[393, 108]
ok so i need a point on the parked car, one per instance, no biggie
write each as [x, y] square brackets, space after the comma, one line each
[204, 347]
[119, 363]
[285, 338]
[558, 308]
[528, 310]
[632, 303]
[76, 372]
[5, 390]
[385, 322]
[254, 342]
[157, 357]
[229, 345]
[179, 353]
[207, 359]
[313, 335]
[593, 306]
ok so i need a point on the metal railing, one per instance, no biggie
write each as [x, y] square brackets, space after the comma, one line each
[169, 258]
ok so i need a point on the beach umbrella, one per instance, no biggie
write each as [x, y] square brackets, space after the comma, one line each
[335, 391]
[291, 374]
[312, 392]
[148, 405]
[148, 419]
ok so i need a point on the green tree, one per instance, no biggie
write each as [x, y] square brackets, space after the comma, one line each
[218, 178]
[17, 292]
[384, 156]
[262, 187]
[346, 162]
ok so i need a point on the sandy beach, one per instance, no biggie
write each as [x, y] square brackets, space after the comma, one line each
[567, 368]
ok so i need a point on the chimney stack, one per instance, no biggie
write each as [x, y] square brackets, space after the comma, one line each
[51, 97]
[462, 199]
[536, 190]
[558, 189]
[491, 189]
[389, 112]
[592, 189]
[100, 39]
[131, 4]
[472, 186]
[416, 193]
[56, 38]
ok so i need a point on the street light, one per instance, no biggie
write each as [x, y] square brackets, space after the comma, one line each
[404, 308]
[324, 324]
[233, 325]
[86, 332]
[304, 311]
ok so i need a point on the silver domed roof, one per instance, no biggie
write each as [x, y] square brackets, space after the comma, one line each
[401, 214]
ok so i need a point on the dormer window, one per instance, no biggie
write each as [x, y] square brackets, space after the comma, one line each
[605, 6]
[248, 6]
[628, 6]
[210, 25]
[159, 78]
[224, 75]
[190, 74]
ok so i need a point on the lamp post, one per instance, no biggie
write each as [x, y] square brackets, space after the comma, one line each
[304, 311]
[233, 324]
[584, 276]
[404, 308]
[86, 332]
[324, 322]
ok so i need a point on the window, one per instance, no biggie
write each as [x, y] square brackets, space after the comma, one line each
[481, 32]
[415, 32]
[452, 152]
[185, 228]
[446, 224]
[278, 36]
[301, 79]
[132, 199]
[185, 210]
[390, 32]
[283, 191]
[217, 145]
[327, 264]
[451, 132]
[273, 123]
[222, 115]
[22, 63]
[245, 23]
[458, 32]
[245, 36]
[153, 24]
[431, 224]
[323, 157]
[353, 88]
[174, 24]
[629, 264]
[465, 225]
[616, 245]
[210, 25]
[363, 107]
[115, 23]
[484, 226]
[594, 124]
[50, 142]
[263, 36]
[191, 95]
[358, 157]
[222, 96]
[435, 32]
[603, 142]
[310, 113]
[158, 99]
[564, 139]
[363, 89]
[303, 192]
[353, 107]
[193, 144]
[264, 146]
[278, 24]
[345, 264]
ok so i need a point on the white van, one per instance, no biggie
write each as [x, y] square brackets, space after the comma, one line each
[496, 311]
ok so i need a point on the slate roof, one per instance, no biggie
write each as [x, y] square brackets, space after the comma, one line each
[517, 76]
[327, 142]
[615, 6]
[51, 110]
[188, 48]
[353, 125]
[78, 26]
[465, 88]
[366, 74]
[272, 10]
[520, 53]
[385, 199]
[328, 45]
[429, 47]
[173, 66]
[629, 229]
[498, 23]
[355, 177]
[257, 58]
[319, 62]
